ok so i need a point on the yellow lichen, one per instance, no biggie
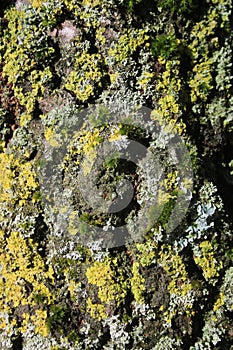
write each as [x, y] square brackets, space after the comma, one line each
[111, 286]
[52, 137]
[169, 85]
[147, 252]
[219, 302]
[17, 179]
[97, 311]
[206, 260]
[127, 44]
[115, 134]
[174, 266]
[22, 266]
[137, 283]
[87, 73]
[145, 79]
[202, 81]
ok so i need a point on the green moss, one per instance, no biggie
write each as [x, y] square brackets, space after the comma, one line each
[164, 46]
[175, 5]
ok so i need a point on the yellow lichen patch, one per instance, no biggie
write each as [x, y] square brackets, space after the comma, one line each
[202, 81]
[147, 252]
[96, 310]
[169, 79]
[116, 134]
[90, 141]
[87, 142]
[98, 273]
[145, 79]
[168, 316]
[201, 32]
[169, 85]
[6, 176]
[219, 302]
[100, 36]
[37, 79]
[20, 57]
[89, 162]
[91, 3]
[40, 322]
[169, 188]
[111, 286]
[168, 122]
[25, 119]
[72, 227]
[73, 6]
[170, 182]
[137, 283]
[163, 197]
[127, 44]
[37, 3]
[23, 280]
[114, 77]
[26, 181]
[87, 74]
[174, 266]
[17, 179]
[90, 11]
[52, 137]
[206, 260]
[73, 287]
[168, 105]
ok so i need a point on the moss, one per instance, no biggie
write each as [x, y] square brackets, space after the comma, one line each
[175, 6]
[165, 46]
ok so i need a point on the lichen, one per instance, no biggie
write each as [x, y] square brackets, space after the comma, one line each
[168, 289]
